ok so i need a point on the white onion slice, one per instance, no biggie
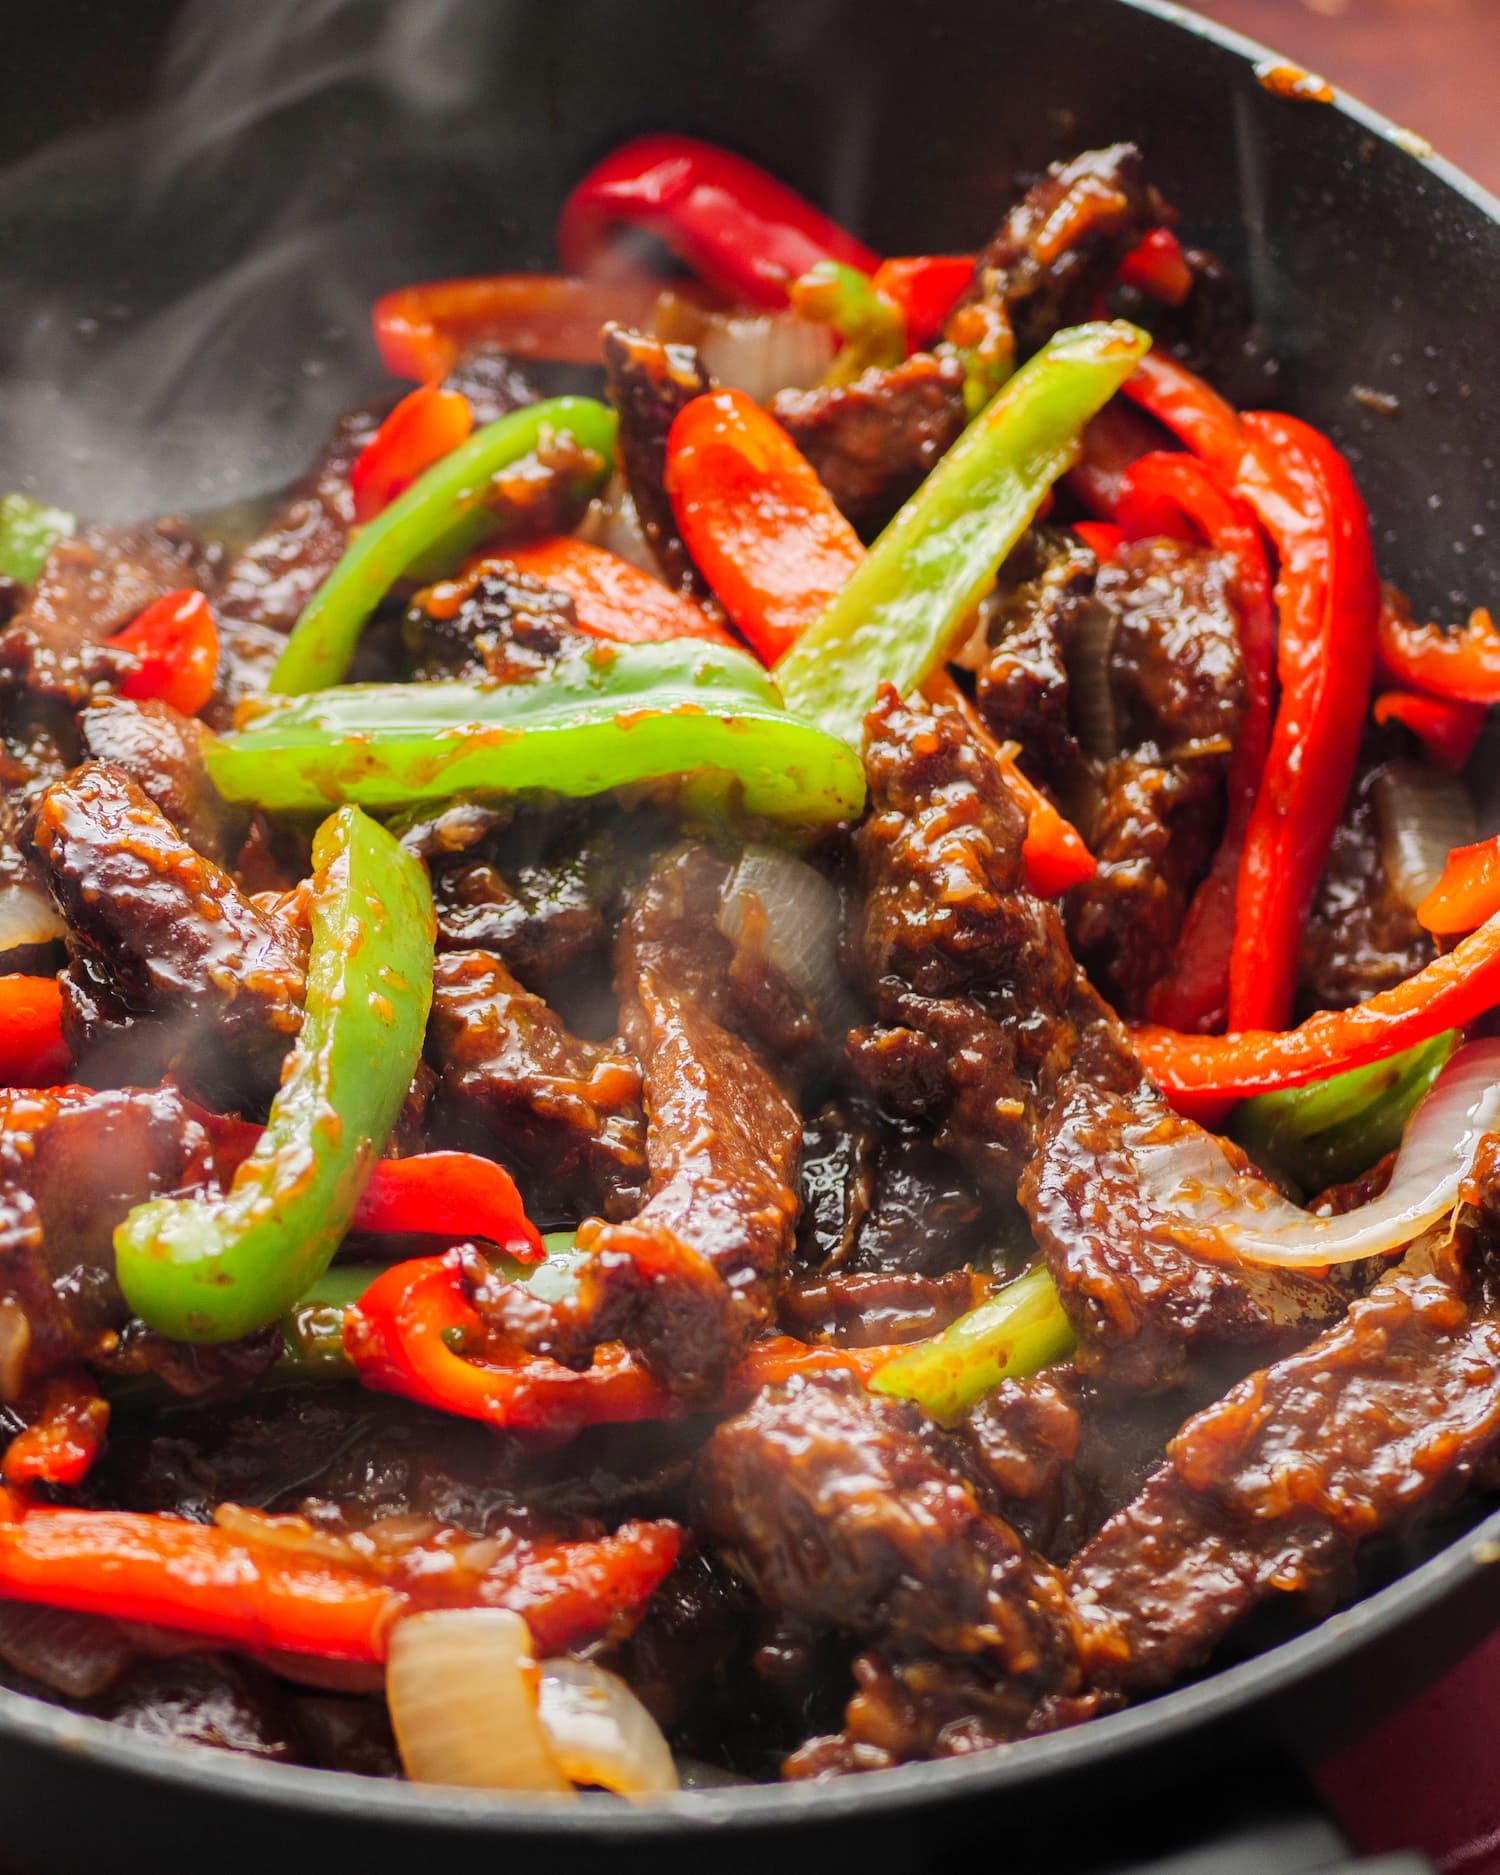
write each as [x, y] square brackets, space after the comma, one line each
[803, 919]
[757, 353]
[600, 1733]
[1422, 815]
[610, 521]
[27, 916]
[1193, 1179]
[461, 1686]
[76, 1655]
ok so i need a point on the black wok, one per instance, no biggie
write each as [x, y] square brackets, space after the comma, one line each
[189, 237]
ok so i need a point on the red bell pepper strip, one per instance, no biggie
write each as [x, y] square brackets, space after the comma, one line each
[926, 287]
[734, 225]
[611, 598]
[1053, 850]
[1158, 266]
[457, 1194]
[423, 331]
[1328, 597]
[176, 644]
[1463, 664]
[1103, 537]
[1190, 409]
[1447, 727]
[421, 430]
[68, 1423]
[1160, 490]
[32, 1050]
[400, 1337]
[200, 1579]
[756, 519]
[1468, 893]
[1112, 442]
[1449, 993]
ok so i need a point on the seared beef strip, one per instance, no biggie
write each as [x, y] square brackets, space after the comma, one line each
[1381, 1419]
[1140, 1300]
[874, 1308]
[172, 969]
[1177, 687]
[1360, 937]
[161, 750]
[493, 624]
[1043, 597]
[515, 1084]
[649, 381]
[983, 1009]
[72, 1165]
[874, 440]
[92, 585]
[1056, 252]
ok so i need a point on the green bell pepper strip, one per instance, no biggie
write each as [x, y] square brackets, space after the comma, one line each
[609, 717]
[897, 616]
[215, 1269]
[440, 517]
[1018, 1330]
[29, 530]
[1330, 1131]
[871, 326]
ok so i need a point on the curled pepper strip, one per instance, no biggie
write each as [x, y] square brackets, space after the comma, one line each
[444, 510]
[1467, 894]
[1448, 994]
[896, 616]
[756, 519]
[1158, 266]
[67, 1426]
[176, 645]
[215, 1269]
[199, 1579]
[423, 331]
[454, 1194]
[424, 427]
[926, 288]
[1447, 727]
[732, 223]
[614, 716]
[1328, 597]
[400, 1337]
[32, 1050]
[1462, 664]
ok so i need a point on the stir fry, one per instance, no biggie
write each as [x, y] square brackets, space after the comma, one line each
[767, 1049]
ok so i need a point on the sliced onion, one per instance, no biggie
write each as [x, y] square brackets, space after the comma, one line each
[1091, 695]
[600, 1733]
[1422, 815]
[758, 353]
[27, 916]
[610, 521]
[798, 916]
[1192, 1177]
[461, 1686]
[76, 1655]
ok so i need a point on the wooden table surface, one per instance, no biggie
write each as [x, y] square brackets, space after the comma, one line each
[1433, 65]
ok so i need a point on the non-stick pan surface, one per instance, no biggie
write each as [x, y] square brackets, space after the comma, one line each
[196, 206]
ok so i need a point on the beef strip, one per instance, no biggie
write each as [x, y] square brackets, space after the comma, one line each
[72, 1165]
[90, 586]
[1056, 252]
[491, 623]
[1141, 1301]
[1377, 1422]
[878, 1197]
[874, 440]
[691, 1279]
[1177, 687]
[648, 382]
[170, 967]
[1041, 601]
[1360, 937]
[983, 1009]
[516, 1084]
[872, 1308]
[162, 751]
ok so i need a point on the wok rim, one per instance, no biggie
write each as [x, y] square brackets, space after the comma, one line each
[763, 1809]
